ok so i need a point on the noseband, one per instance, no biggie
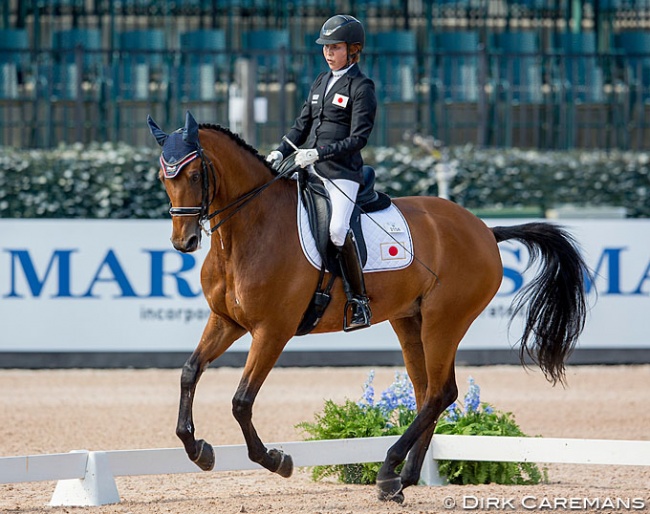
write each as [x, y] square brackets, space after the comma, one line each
[206, 167]
[202, 211]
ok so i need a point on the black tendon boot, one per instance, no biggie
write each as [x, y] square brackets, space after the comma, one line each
[354, 286]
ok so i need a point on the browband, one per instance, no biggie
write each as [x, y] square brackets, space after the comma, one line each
[171, 170]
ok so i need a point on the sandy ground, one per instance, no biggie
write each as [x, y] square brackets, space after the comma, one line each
[60, 411]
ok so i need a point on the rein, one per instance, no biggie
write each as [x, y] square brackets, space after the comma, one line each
[202, 211]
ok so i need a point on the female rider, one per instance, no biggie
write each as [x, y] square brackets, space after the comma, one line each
[334, 125]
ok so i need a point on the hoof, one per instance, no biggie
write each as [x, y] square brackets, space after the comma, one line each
[390, 490]
[285, 468]
[205, 460]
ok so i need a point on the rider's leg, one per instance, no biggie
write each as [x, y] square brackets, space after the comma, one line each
[355, 288]
[343, 193]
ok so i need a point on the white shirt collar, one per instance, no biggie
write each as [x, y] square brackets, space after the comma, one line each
[341, 72]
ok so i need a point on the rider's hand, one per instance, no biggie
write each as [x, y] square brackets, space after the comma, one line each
[274, 159]
[305, 158]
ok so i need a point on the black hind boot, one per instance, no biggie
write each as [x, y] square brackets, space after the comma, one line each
[354, 286]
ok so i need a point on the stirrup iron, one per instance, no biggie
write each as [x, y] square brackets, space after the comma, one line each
[360, 314]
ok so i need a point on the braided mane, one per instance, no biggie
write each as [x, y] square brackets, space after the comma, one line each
[237, 139]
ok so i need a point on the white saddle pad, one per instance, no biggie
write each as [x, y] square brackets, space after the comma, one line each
[387, 236]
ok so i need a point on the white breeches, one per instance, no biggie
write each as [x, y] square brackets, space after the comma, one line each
[343, 194]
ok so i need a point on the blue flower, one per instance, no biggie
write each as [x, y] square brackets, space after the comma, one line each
[368, 398]
[399, 394]
[399, 399]
[452, 413]
[396, 399]
[473, 397]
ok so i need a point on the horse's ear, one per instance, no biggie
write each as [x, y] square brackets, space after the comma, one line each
[156, 131]
[191, 130]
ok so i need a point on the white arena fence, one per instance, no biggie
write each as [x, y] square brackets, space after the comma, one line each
[87, 478]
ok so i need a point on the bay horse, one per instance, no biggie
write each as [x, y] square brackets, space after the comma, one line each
[256, 279]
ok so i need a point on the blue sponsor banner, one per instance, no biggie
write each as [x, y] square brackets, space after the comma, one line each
[113, 285]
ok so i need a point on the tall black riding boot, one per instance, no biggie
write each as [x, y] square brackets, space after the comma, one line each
[354, 286]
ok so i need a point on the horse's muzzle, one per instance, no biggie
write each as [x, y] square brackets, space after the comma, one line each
[188, 245]
[186, 237]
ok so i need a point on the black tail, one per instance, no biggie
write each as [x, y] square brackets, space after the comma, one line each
[556, 297]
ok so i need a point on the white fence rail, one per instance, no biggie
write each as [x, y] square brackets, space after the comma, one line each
[88, 478]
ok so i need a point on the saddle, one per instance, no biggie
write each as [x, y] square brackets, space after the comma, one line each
[318, 206]
[316, 201]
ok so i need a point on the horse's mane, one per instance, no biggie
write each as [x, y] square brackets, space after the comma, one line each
[238, 140]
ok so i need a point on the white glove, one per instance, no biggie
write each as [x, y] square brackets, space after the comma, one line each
[305, 158]
[274, 159]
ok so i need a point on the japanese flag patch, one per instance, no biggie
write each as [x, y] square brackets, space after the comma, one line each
[392, 251]
[340, 100]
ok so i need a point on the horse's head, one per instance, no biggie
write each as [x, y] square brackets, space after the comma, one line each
[186, 177]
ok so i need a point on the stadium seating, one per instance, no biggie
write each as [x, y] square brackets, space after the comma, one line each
[394, 65]
[70, 68]
[264, 44]
[517, 65]
[203, 60]
[454, 69]
[634, 47]
[578, 66]
[13, 58]
[140, 64]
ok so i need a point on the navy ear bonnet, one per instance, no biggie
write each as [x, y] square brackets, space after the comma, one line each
[176, 153]
[178, 148]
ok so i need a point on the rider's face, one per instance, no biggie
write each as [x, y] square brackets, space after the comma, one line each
[336, 55]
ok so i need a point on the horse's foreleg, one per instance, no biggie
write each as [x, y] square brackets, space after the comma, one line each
[217, 337]
[261, 359]
[199, 451]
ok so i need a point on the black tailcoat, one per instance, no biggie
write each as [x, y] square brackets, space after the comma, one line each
[337, 125]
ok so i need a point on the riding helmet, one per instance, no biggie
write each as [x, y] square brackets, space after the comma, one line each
[342, 28]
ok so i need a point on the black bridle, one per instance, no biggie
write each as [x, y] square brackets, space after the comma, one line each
[202, 212]
[207, 169]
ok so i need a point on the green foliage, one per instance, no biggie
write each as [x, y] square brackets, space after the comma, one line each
[76, 181]
[513, 178]
[485, 422]
[392, 415]
[360, 419]
[120, 181]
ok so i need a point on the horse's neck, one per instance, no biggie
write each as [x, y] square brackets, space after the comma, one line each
[247, 240]
[271, 213]
[240, 173]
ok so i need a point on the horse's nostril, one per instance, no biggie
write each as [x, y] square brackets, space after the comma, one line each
[187, 245]
[192, 242]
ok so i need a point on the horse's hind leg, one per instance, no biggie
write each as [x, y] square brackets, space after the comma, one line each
[415, 362]
[218, 336]
[410, 474]
[416, 439]
[408, 331]
[438, 360]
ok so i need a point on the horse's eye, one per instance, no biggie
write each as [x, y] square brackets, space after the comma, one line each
[195, 177]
